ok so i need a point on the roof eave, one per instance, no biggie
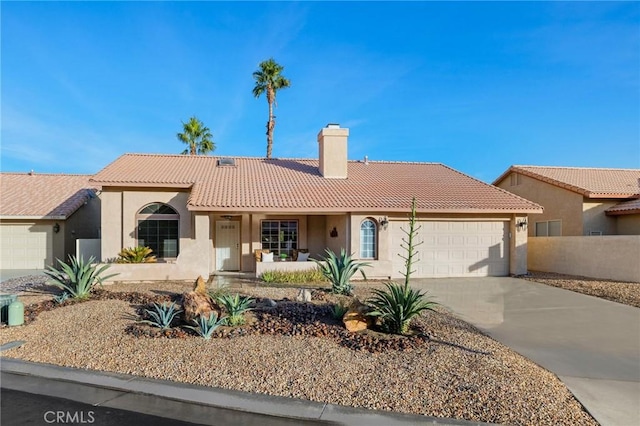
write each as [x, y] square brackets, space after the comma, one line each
[107, 184]
[36, 217]
[317, 210]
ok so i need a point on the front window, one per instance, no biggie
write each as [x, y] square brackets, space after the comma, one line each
[279, 236]
[158, 229]
[549, 228]
[368, 239]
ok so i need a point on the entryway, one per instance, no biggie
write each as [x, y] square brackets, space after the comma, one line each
[227, 245]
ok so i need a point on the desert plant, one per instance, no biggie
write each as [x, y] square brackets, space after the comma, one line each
[338, 310]
[236, 306]
[398, 304]
[138, 254]
[61, 298]
[77, 277]
[162, 315]
[339, 270]
[206, 326]
[219, 290]
[269, 277]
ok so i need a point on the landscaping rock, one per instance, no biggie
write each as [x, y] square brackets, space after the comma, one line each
[201, 286]
[304, 295]
[271, 303]
[356, 318]
[196, 304]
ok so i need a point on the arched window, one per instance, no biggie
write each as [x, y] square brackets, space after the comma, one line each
[368, 232]
[158, 229]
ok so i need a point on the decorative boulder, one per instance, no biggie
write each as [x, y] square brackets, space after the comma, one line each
[304, 295]
[356, 318]
[200, 286]
[196, 304]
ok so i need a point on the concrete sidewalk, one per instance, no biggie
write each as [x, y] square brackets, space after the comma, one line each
[591, 344]
[190, 403]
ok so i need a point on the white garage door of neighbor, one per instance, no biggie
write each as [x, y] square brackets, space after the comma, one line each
[25, 246]
[456, 249]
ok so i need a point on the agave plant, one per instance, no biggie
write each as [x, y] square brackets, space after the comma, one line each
[339, 270]
[60, 299]
[338, 310]
[397, 305]
[138, 254]
[77, 278]
[236, 306]
[206, 326]
[162, 315]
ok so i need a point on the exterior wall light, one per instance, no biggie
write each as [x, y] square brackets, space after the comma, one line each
[334, 232]
[56, 228]
[384, 222]
[521, 225]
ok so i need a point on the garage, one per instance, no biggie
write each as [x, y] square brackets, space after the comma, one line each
[26, 246]
[456, 248]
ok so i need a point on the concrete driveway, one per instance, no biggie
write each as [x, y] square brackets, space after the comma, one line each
[591, 344]
[6, 274]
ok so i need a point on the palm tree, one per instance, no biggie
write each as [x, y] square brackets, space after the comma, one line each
[197, 136]
[269, 81]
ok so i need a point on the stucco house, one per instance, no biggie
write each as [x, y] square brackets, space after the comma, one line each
[42, 216]
[578, 201]
[203, 214]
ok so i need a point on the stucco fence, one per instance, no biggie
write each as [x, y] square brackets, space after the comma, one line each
[615, 257]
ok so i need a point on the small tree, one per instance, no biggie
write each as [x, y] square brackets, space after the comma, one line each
[399, 303]
[197, 136]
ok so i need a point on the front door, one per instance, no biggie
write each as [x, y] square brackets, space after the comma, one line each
[227, 245]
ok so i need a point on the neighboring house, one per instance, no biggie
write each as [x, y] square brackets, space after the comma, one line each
[203, 214]
[42, 215]
[578, 201]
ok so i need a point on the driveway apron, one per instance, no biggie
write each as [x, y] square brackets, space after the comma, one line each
[591, 344]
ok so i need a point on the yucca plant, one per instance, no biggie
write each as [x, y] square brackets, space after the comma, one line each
[138, 254]
[236, 306]
[399, 304]
[77, 277]
[206, 326]
[340, 269]
[162, 315]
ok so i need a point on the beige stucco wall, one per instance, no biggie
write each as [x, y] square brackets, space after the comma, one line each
[342, 225]
[517, 247]
[83, 224]
[317, 235]
[558, 203]
[595, 219]
[628, 224]
[607, 257]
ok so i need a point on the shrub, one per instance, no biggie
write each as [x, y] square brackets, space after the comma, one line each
[162, 315]
[398, 304]
[236, 306]
[306, 276]
[339, 270]
[205, 327]
[138, 254]
[77, 278]
[60, 299]
[220, 290]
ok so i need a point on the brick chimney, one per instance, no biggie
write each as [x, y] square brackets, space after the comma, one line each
[332, 144]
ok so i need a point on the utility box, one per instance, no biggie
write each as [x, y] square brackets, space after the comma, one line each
[5, 301]
[16, 313]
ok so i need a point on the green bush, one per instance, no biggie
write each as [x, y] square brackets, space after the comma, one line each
[236, 306]
[397, 305]
[205, 327]
[339, 270]
[162, 315]
[138, 254]
[313, 275]
[338, 310]
[78, 278]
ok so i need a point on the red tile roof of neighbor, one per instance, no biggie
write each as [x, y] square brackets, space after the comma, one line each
[590, 182]
[626, 207]
[42, 196]
[268, 185]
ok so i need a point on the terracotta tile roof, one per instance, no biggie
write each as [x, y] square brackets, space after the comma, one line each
[267, 185]
[42, 196]
[626, 207]
[590, 182]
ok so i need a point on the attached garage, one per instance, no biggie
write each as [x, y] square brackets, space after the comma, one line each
[455, 248]
[26, 246]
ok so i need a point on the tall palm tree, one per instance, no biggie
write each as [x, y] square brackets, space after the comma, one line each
[197, 136]
[269, 81]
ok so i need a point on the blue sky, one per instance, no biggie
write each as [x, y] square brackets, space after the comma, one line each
[477, 86]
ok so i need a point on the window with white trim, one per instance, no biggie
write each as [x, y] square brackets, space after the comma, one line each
[368, 232]
[549, 228]
[158, 229]
[279, 236]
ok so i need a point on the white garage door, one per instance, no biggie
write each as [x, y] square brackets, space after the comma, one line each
[25, 246]
[456, 249]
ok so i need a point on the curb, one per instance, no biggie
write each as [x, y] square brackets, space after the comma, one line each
[186, 402]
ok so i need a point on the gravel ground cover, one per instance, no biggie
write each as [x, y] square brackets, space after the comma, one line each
[456, 372]
[617, 291]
